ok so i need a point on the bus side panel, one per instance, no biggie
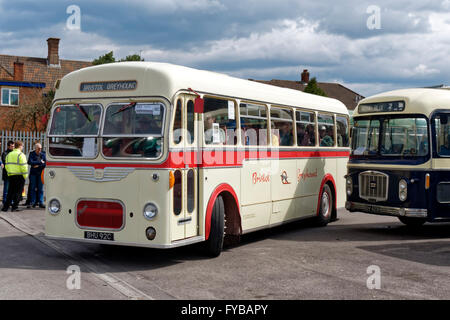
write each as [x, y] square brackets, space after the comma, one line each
[308, 180]
[283, 187]
[256, 216]
[340, 181]
[255, 182]
[256, 199]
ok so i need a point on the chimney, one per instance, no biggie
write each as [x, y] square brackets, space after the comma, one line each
[305, 76]
[18, 71]
[53, 52]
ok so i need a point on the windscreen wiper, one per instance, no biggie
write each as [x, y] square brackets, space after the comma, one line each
[125, 107]
[83, 111]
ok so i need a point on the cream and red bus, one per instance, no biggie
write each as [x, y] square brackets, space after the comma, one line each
[159, 155]
[399, 163]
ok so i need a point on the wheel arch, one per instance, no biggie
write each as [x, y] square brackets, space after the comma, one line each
[329, 180]
[233, 224]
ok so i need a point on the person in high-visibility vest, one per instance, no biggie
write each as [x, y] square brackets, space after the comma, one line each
[17, 168]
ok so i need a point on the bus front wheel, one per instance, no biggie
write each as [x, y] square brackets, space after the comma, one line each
[326, 206]
[214, 244]
[412, 222]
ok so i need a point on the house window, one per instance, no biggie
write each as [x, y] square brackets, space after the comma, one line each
[10, 97]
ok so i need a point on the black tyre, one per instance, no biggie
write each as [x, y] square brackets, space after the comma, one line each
[214, 244]
[412, 222]
[326, 206]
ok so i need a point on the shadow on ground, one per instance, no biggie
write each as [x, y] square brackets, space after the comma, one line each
[26, 252]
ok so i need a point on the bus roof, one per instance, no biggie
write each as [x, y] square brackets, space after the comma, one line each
[417, 101]
[163, 79]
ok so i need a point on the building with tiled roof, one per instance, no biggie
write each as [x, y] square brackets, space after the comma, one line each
[332, 90]
[24, 80]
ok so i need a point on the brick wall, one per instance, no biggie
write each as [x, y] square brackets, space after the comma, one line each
[27, 97]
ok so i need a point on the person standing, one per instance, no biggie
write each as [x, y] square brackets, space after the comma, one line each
[37, 160]
[10, 147]
[17, 168]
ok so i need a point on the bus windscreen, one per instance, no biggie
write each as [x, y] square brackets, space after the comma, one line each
[76, 120]
[390, 137]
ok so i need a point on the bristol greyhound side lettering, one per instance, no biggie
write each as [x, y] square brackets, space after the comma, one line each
[305, 175]
[284, 178]
[260, 178]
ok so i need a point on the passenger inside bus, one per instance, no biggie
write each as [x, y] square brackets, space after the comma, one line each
[310, 136]
[305, 136]
[213, 133]
[147, 126]
[325, 137]
[286, 136]
[342, 138]
[91, 126]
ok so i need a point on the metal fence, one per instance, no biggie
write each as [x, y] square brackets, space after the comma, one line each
[29, 138]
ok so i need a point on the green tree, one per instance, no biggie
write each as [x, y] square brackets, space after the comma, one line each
[313, 88]
[33, 117]
[133, 57]
[106, 58]
[109, 58]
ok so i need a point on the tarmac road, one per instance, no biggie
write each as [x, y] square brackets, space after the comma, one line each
[295, 261]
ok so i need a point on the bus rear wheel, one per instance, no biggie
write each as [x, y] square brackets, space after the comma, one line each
[214, 244]
[326, 206]
[412, 222]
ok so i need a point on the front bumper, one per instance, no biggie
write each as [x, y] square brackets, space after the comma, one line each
[386, 211]
[174, 244]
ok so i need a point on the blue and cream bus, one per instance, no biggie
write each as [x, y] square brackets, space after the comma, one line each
[400, 158]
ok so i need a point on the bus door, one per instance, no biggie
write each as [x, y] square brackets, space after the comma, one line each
[185, 190]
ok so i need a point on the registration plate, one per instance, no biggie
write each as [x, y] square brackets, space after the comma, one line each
[108, 236]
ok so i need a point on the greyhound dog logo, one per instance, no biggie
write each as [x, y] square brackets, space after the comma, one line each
[284, 178]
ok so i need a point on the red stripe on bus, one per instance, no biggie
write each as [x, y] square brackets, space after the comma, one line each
[211, 159]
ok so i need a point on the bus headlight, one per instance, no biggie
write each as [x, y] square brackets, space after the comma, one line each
[402, 190]
[54, 207]
[150, 211]
[349, 185]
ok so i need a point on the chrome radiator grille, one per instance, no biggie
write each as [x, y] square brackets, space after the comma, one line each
[373, 186]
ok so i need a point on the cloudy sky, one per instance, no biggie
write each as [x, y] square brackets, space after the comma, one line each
[406, 45]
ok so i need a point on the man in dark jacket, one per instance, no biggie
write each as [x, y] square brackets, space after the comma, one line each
[10, 147]
[37, 160]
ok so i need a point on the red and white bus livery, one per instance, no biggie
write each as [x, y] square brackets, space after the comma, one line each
[159, 155]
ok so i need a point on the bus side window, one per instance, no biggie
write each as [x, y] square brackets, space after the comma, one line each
[177, 193]
[220, 122]
[306, 129]
[342, 131]
[190, 191]
[326, 130]
[178, 123]
[442, 127]
[254, 124]
[190, 122]
[282, 126]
